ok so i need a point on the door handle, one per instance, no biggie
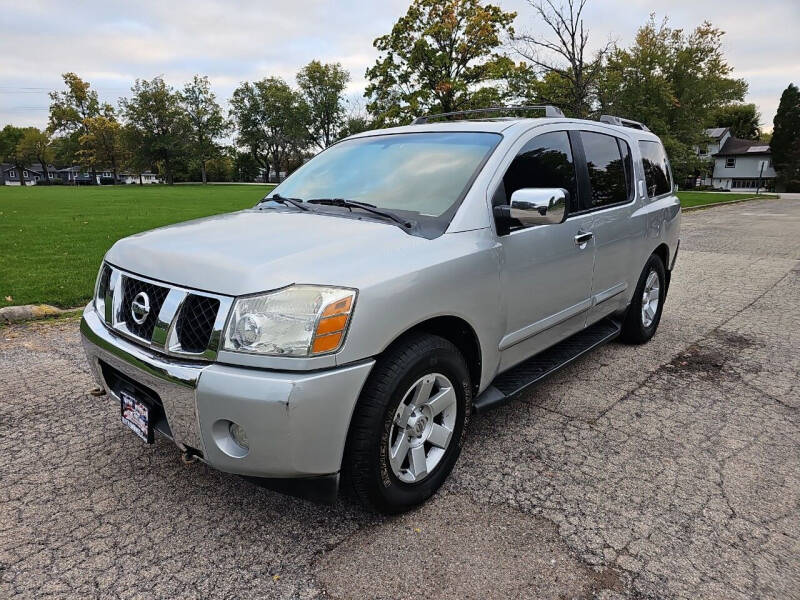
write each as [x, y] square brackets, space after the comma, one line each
[582, 237]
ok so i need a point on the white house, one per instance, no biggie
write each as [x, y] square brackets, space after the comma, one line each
[147, 177]
[743, 165]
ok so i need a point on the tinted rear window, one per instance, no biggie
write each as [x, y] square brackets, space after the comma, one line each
[656, 168]
[606, 169]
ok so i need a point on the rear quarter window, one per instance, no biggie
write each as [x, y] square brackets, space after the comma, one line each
[657, 175]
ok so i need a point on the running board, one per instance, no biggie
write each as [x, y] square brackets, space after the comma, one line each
[533, 370]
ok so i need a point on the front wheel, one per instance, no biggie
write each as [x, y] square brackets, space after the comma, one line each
[644, 312]
[409, 424]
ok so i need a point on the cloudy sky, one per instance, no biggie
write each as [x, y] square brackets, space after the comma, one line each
[111, 43]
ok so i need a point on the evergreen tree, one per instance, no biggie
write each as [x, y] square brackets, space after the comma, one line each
[785, 144]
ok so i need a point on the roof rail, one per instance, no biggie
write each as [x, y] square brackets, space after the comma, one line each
[549, 111]
[619, 121]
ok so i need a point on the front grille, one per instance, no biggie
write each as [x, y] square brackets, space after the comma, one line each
[195, 322]
[130, 289]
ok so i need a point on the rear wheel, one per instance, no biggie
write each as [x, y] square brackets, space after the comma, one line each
[644, 312]
[409, 424]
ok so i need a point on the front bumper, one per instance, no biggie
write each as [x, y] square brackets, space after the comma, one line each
[296, 422]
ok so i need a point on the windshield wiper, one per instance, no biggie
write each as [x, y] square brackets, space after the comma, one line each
[363, 206]
[296, 202]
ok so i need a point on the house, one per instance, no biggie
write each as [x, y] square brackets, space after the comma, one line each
[147, 178]
[717, 136]
[30, 174]
[743, 165]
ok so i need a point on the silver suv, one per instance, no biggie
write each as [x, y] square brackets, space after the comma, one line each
[349, 323]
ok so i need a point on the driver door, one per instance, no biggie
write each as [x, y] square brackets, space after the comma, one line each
[546, 271]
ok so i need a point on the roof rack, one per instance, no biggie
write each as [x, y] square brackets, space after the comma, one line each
[549, 111]
[620, 122]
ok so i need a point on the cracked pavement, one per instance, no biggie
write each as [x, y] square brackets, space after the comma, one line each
[670, 470]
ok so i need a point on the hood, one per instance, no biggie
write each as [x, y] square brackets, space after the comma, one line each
[253, 251]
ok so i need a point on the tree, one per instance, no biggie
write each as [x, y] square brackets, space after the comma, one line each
[785, 143]
[207, 123]
[102, 145]
[10, 138]
[159, 122]
[322, 86]
[33, 147]
[673, 82]
[70, 108]
[272, 121]
[437, 57]
[742, 119]
[563, 59]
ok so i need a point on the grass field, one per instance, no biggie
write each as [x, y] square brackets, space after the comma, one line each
[53, 238]
[689, 199]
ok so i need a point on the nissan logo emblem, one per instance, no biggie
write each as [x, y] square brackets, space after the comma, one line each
[140, 308]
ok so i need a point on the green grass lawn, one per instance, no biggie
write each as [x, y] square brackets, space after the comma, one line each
[689, 199]
[52, 239]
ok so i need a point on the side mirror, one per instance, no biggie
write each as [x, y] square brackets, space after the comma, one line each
[536, 206]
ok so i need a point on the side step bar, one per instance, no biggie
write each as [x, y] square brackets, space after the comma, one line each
[529, 372]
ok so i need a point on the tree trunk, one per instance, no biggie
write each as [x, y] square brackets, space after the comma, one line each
[140, 179]
[203, 170]
[21, 171]
[114, 169]
[94, 176]
[45, 174]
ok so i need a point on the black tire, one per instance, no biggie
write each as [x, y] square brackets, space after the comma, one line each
[634, 330]
[366, 473]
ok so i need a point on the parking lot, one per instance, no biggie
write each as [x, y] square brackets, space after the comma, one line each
[666, 470]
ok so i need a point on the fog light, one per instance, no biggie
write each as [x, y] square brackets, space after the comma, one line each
[238, 434]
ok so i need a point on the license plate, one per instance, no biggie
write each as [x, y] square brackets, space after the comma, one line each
[136, 414]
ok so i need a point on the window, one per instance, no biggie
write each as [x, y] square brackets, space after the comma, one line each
[656, 168]
[730, 162]
[12, 174]
[606, 168]
[25, 174]
[420, 175]
[544, 162]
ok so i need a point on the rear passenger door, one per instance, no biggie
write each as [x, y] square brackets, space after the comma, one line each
[611, 201]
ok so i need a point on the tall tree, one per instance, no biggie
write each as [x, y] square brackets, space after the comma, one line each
[10, 137]
[742, 119]
[563, 58]
[206, 121]
[322, 86]
[155, 113]
[785, 143]
[33, 147]
[70, 108]
[272, 122]
[437, 58]
[103, 145]
[672, 81]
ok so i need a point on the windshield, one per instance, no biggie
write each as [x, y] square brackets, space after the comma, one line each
[417, 174]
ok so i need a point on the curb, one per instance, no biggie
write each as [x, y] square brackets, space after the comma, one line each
[31, 312]
[713, 204]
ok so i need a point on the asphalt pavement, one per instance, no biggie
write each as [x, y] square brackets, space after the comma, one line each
[670, 470]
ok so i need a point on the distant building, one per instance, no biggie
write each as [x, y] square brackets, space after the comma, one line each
[147, 178]
[736, 164]
[12, 175]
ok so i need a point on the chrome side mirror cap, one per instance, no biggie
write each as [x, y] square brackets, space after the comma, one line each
[539, 206]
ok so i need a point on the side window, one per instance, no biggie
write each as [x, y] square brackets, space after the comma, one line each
[627, 160]
[606, 168]
[544, 162]
[656, 168]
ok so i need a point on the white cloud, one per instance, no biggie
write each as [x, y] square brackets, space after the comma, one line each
[111, 43]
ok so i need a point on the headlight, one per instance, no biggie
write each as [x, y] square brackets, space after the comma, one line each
[300, 320]
[101, 288]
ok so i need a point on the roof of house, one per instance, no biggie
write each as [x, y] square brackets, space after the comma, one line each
[737, 147]
[716, 132]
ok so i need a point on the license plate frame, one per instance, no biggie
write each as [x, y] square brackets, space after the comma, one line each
[136, 413]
